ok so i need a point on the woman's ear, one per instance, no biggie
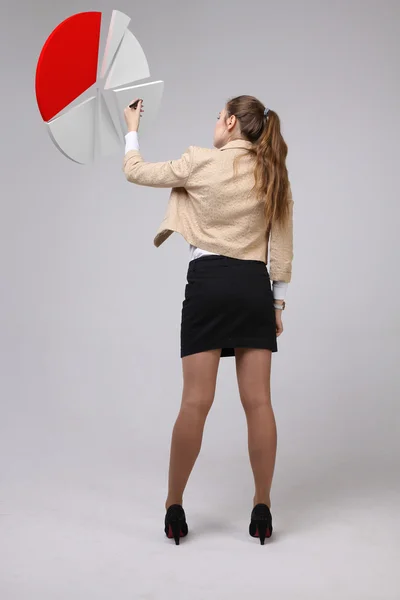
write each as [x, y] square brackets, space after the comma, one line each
[232, 122]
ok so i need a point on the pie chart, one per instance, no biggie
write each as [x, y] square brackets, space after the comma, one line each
[82, 105]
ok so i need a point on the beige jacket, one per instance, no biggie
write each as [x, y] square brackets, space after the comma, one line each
[213, 210]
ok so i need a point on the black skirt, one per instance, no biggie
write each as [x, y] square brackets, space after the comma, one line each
[228, 304]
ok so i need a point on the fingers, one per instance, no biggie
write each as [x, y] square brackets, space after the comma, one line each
[278, 325]
[138, 102]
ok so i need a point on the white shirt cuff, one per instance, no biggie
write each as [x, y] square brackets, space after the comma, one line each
[131, 141]
[279, 289]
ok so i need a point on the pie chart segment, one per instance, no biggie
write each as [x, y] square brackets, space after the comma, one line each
[151, 93]
[130, 63]
[67, 64]
[118, 26]
[109, 140]
[74, 131]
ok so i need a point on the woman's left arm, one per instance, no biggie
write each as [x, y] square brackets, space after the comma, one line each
[281, 247]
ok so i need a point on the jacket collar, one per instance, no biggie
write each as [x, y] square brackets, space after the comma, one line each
[237, 144]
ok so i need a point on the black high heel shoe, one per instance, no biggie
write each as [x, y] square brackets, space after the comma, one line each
[175, 522]
[261, 522]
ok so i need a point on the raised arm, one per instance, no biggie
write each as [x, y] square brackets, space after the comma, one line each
[168, 174]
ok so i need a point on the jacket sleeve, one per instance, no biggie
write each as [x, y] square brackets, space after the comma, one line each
[281, 247]
[168, 174]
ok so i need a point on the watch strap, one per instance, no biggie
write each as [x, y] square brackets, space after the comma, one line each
[280, 306]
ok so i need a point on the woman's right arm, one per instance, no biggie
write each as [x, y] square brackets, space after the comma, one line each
[170, 173]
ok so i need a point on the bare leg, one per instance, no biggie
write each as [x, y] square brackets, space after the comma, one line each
[199, 383]
[253, 368]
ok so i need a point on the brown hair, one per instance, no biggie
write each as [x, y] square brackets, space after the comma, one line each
[270, 151]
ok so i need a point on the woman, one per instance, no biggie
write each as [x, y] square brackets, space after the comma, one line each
[234, 207]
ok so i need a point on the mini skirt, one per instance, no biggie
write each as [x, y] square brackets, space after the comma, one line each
[228, 303]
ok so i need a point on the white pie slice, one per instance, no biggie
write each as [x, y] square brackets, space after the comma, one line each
[130, 63]
[73, 131]
[151, 93]
[118, 25]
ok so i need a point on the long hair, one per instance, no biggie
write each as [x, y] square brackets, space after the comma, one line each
[270, 151]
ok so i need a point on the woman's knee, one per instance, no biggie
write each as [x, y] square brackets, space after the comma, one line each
[199, 380]
[253, 368]
[199, 400]
[253, 401]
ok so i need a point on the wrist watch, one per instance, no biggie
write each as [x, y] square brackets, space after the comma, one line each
[280, 306]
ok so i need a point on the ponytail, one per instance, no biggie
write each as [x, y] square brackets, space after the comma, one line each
[262, 127]
[271, 174]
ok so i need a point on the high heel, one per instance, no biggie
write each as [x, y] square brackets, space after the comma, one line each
[261, 522]
[175, 523]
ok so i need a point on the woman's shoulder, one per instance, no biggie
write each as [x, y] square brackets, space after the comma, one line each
[202, 155]
[204, 149]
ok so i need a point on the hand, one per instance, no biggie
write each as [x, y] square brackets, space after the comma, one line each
[278, 321]
[132, 115]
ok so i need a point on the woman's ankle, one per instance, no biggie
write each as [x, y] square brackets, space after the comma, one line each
[172, 500]
[262, 500]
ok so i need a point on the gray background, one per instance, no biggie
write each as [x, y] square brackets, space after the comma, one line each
[90, 314]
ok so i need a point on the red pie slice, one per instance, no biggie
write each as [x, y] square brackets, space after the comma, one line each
[67, 65]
